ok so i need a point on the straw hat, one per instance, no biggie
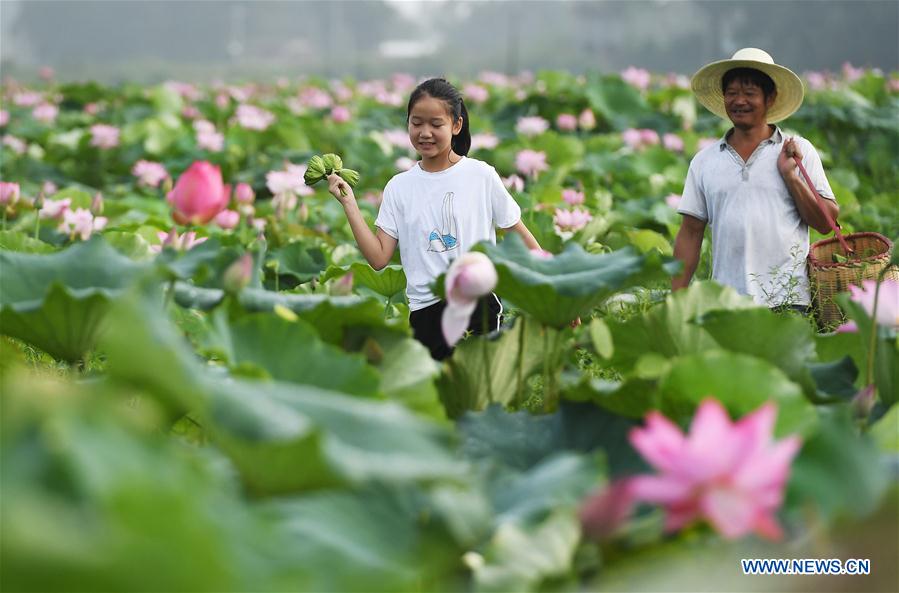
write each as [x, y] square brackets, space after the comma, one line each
[706, 83]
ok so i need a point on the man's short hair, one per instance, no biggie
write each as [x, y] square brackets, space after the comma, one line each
[749, 76]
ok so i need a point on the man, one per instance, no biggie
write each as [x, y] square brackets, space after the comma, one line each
[748, 187]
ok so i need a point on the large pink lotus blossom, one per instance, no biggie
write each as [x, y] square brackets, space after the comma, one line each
[54, 208]
[251, 117]
[469, 277]
[636, 77]
[673, 142]
[568, 222]
[572, 197]
[207, 137]
[14, 143]
[149, 173]
[531, 163]
[475, 93]
[81, 223]
[531, 126]
[732, 474]
[484, 141]
[514, 183]
[9, 193]
[104, 136]
[566, 122]
[340, 114]
[887, 301]
[587, 119]
[171, 239]
[45, 113]
[199, 194]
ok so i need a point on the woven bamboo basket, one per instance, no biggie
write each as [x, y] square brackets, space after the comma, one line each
[829, 278]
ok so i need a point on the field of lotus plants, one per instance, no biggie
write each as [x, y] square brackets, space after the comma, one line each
[205, 387]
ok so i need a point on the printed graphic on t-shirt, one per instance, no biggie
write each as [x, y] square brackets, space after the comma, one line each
[444, 239]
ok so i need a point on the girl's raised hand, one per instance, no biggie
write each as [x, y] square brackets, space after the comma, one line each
[340, 189]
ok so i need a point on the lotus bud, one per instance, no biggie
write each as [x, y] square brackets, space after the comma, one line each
[97, 204]
[469, 277]
[343, 286]
[238, 274]
[244, 194]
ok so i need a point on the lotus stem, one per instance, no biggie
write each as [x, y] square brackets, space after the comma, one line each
[485, 327]
[519, 390]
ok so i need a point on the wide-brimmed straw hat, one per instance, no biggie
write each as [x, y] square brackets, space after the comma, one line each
[706, 83]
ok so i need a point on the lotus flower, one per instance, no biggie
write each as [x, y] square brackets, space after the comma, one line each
[514, 183]
[531, 163]
[636, 77]
[54, 208]
[603, 513]
[199, 194]
[227, 219]
[179, 243]
[567, 122]
[469, 277]
[27, 98]
[81, 223]
[251, 117]
[673, 142]
[887, 301]
[244, 193]
[632, 138]
[732, 474]
[398, 138]
[149, 173]
[573, 197]
[475, 93]
[238, 274]
[340, 114]
[531, 126]
[586, 120]
[315, 98]
[4, 117]
[45, 113]
[568, 222]
[9, 193]
[207, 137]
[15, 144]
[488, 141]
[49, 188]
[104, 137]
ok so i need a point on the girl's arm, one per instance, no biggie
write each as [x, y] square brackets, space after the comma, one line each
[377, 249]
[528, 237]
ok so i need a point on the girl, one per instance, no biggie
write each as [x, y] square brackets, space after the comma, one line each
[436, 210]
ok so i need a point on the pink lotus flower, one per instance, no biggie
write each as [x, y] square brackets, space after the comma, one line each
[403, 82]
[222, 100]
[469, 277]
[315, 98]
[9, 193]
[673, 200]
[282, 182]
[45, 113]
[573, 197]
[673, 142]
[149, 173]
[475, 93]
[586, 120]
[403, 163]
[632, 138]
[190, 112]
[604, 512]
[568, 222]
[649, 137]
[636, 77]
[480, 141]
[184, 89]
[732, 474]
[566, 122]
[514, 183]
[54, 208]
[199, 194]
[531, 126]
[887, 313]
[531, 163]
[171, 239]
[27, 98]
[678, 81]
[227, 219]
[817, 81]
[15, 144]
[92, 108]
[343, 286]
[244, 193]
[4, 117]
[207, 137]
[851, 73]
[494, 78]
[104, 137]
[341, 91]
[81, 223]
[49, 188]
[340, 114]
[255, 118]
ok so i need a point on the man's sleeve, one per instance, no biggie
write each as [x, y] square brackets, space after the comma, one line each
[693, 200]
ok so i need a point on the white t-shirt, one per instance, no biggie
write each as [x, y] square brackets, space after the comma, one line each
[759, 241]
[436, 217]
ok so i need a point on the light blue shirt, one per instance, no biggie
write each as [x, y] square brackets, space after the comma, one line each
[759, 241]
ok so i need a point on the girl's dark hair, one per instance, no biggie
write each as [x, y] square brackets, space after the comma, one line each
[439, 88]
[749, 76]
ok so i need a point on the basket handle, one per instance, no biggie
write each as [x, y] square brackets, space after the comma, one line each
[820, 202]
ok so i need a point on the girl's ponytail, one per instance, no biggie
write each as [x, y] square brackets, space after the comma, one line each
[439, 88]
[462, 141]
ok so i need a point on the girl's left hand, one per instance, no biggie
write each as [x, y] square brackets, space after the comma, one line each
[340, 189]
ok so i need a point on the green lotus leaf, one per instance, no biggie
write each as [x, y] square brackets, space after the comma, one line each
[291, 351]
[58, 301]
[407, 372]
[741, 383]
[23, 243]
[555, 291]
[296, 261]
[387, 282]
[617, 102]
[473, 377]
[667, 329]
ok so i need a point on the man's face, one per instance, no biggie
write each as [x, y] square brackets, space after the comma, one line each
[746, 104]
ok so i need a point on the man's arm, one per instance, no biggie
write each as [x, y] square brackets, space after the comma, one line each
[687, 247]
[805, 199]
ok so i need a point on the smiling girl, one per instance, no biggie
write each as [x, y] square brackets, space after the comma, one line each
[436, 211]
